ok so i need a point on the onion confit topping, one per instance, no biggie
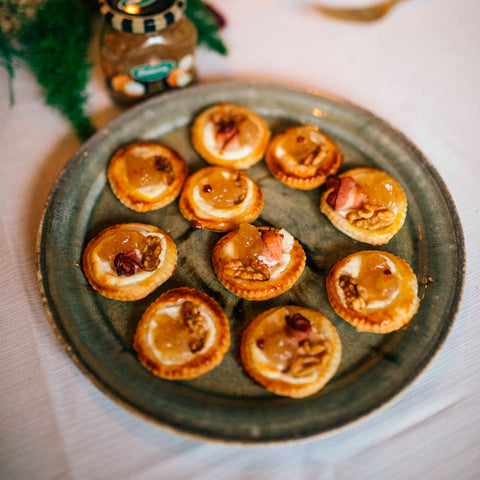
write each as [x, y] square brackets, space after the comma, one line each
[127, 264]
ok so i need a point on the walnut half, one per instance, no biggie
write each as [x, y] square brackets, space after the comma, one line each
[195, 323]
[371, 217]
[309, 358]
[247, 269]
[353, 293]
[151, 253]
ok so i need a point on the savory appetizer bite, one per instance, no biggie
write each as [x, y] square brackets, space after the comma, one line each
[129, 261]
[182, 335]
[302, 157]
[230, 135]
[146, 176]
[366, 204]
[291, 351]
[258, 263]
[220, 198]
[373, 291]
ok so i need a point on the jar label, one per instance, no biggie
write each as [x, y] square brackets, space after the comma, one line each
[152, 73]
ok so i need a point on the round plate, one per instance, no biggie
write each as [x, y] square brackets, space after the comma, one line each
[226, 404]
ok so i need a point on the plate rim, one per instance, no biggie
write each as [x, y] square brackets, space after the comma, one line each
[69, 347]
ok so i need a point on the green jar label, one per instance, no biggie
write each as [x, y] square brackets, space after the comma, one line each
[152, 73]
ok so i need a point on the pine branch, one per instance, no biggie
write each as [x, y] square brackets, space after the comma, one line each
[207, 21]
[7, 53]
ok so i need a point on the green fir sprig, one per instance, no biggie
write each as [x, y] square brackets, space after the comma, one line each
[208, 22]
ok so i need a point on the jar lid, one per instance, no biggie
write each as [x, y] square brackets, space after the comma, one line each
[141, 16]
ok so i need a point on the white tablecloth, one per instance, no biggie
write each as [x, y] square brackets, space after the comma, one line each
[418, 68]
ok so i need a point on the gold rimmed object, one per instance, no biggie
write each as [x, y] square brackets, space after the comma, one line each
[365, 14]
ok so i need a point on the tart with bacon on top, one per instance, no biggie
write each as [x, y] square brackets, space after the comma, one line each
[258, 263]
[230, 135]
[291, 351]
[129, 261]
[366, 204]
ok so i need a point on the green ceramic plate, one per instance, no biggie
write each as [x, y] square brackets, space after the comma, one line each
[225, 404]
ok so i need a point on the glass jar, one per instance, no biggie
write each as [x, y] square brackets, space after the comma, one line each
[146, 47]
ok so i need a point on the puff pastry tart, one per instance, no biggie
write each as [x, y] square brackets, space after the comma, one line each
[230, 135]
[220, 198]
[373, 291]
[366, 204]
[146, 176]
[303, 158]
[291, 351]
[258, 263]
[182, 335]
[129, 261]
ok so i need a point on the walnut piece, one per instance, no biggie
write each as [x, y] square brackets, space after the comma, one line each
[195, 323]
[353, 293]
[309, 358]
[247, 269]
[241, 182]
[371, 217]
[151, 253]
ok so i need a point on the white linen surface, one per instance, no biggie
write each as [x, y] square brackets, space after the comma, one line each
[419, 69]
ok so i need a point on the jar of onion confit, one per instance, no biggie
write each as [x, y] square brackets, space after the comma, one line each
[146, 47]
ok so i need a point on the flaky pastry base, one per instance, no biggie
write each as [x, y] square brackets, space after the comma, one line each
[136, 290]
[201, 219]
[282, 386]
[130, 196]
[392, 317]
[255, 289]
[203, 361]
[213, 157]
[298, 176]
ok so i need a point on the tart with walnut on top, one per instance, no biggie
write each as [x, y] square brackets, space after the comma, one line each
[129, 261]
[291, 351]
[366, 204]
[182, 335]
[220, 198]
[258, 263]
[303, 157]
[230, 135]
[374, 291]
[146, 176]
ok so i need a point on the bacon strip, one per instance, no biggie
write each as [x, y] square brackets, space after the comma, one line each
[272, 242]
[347, 193]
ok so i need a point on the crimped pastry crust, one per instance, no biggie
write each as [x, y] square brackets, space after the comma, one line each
[254, 289]
[391, 317]
[246, 212]
[303, 177]
[202, 361]
[215, 157]
[128, 194]
[372, 237]
[281, 384]
[104, 281]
